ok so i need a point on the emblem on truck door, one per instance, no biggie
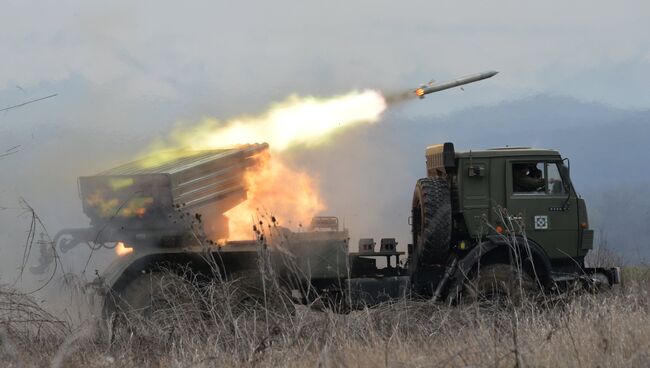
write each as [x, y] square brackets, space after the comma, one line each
[541, 222]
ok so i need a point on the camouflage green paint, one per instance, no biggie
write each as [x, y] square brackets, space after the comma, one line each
[485, 181]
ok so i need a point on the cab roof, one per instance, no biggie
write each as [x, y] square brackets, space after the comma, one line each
[441, 159]
[508, 151]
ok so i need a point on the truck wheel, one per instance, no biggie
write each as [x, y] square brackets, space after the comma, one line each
[247, 295]
[500, 284]
[431, 221]
[158, 297]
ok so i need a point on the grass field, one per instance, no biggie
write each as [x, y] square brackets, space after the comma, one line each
[610, 329]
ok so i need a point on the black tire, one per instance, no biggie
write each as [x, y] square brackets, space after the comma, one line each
[431, 222]
[500, 284]
[158, 297]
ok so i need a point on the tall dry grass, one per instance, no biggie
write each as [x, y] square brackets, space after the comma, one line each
[611, 329]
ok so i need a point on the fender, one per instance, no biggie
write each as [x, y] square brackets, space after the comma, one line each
[541, 261]
[125, 267]
[494, 243]
[122, 270]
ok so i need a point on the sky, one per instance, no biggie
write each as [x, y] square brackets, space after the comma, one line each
[126, 72]
[224, 57]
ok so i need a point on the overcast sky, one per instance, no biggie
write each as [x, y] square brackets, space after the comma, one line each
[232, 52]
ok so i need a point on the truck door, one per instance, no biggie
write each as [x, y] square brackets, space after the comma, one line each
[537, 192]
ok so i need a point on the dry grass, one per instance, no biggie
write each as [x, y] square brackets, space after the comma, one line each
[606, 330]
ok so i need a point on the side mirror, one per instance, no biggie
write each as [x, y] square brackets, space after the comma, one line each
[568, 164]
[566, 175]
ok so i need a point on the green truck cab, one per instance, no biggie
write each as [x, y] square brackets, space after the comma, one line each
[552, 214]
[488, 206]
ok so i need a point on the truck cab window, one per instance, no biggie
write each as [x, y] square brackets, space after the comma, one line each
[537, 178]
[528, 178]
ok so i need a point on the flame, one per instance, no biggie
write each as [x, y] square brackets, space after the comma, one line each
[107, 206]
[296, 121]
[275, 190]
[121, 249]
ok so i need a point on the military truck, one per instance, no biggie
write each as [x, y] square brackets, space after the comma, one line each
[485, 224]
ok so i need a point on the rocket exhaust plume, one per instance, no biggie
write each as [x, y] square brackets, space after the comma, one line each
[300, 120]
[296, 121]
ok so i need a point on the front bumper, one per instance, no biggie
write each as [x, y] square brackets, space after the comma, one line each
[614, 275]
[600, 277]
[596, 276]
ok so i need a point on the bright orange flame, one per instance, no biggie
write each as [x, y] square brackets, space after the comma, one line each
[419, 92]
[122, 249]
[275, 189]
